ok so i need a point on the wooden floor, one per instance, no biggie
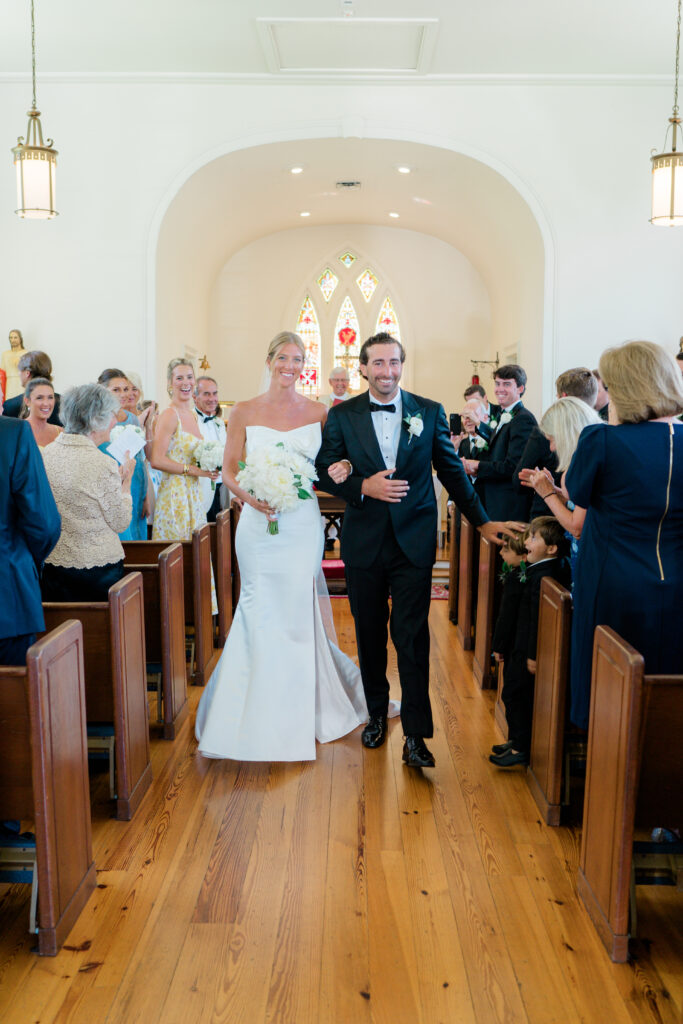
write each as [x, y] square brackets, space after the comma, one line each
[350, 889]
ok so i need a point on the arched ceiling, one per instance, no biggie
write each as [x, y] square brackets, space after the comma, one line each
[489, 37]
[251, 193]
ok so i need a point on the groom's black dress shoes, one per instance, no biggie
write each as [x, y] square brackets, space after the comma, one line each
[416, 754]
[375, 732]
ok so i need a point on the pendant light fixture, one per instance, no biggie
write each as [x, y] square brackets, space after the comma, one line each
[36, 163]
[667, 168]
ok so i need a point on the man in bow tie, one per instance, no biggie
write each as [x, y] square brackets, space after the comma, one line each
[392, 438]
[212, 428]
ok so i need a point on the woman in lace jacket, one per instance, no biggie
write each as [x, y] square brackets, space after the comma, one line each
[93, 497]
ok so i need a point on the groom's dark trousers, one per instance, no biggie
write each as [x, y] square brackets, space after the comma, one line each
[390, 548]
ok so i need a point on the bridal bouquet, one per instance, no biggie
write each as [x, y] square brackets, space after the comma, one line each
[209, 455]
[278, 475]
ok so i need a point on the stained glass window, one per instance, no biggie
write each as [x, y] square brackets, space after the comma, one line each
[367, 282]
[387, 319]
[309, 331]
[327, 282]
[348, 259]
[347, 342]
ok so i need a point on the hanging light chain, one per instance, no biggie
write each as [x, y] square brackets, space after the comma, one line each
[678, 49]
[33, 48]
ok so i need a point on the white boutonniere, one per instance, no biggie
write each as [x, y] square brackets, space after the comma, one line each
[505, 418]
[415, 425]
[493, 424]
[479, 442]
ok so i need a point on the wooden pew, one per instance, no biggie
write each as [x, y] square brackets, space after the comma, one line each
[487, 592]
[466, 577]
[453, 565]
[115, 680]
[236, 509]
[165, 632]
[634, 778]
[221, 554]
[544, 774]
[197, 589]
[44, 775]
[499, 708]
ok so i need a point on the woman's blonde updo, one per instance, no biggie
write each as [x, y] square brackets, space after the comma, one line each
[285, 338]
[174, 364]
[643, 381]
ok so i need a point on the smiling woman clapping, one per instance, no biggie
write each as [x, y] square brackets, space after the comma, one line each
[39, 402]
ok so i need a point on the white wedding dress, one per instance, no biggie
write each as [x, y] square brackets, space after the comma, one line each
[281, 683]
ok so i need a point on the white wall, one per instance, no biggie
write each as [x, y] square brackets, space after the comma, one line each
[440, 298]
[80, 287]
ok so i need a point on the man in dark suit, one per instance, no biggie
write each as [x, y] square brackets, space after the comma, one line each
[29, 529]
[391, 439]
[506, 445]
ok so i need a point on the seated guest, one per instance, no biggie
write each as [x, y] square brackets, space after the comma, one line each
[212, 428]
[33, 364]
[477, 391]
[500, 497]
[93, 498]
[39, 402]
[339, 382]
[29, 527]
[547, 549]
[513, 579]
[578, 383]
[141, 489]
[602, 398]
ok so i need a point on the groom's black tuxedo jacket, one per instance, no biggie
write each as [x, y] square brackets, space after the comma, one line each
[349, 434]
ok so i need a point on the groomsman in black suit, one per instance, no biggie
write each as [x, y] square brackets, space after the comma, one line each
[506, 446]
[29, 526]
[391, 439]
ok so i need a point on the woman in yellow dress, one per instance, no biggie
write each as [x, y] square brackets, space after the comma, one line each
[179, 507]
[9, 363]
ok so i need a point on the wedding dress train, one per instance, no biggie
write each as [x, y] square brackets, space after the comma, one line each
[281, 683]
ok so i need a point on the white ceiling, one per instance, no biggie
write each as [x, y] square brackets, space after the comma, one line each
[470, 37]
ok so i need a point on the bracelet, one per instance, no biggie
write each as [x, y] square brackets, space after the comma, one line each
[186, 469]
[546, 496]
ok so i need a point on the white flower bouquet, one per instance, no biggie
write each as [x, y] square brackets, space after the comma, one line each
[209, 455]
[278, 475]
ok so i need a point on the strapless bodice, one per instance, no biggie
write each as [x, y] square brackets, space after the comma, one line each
[305, 439]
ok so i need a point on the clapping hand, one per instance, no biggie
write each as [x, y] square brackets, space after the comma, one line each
[126, 470]
[537, 478]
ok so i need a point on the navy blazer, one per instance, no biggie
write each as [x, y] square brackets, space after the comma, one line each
[495, 474]
[30, 526]
[350, 434]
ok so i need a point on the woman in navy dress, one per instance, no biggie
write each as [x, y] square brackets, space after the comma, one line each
[627, 479]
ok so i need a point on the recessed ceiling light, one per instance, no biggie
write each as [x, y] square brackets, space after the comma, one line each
[305, 213]
[404, 170]
[392, 213]
[296, 170]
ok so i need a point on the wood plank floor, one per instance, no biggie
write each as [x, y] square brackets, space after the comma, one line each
[350, 889]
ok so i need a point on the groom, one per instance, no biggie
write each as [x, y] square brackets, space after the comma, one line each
[392, 438]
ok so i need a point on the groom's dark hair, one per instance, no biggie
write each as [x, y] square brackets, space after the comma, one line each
[383, 338]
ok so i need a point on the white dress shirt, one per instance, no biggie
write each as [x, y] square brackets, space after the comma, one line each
[211, 430]
[388, 429]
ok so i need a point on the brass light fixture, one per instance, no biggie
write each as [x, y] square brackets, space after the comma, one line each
[667, 168]
[36, 163]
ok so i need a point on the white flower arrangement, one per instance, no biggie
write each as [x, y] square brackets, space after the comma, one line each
[209, 455]
[117, 431]
[415, 425]
[278, 475]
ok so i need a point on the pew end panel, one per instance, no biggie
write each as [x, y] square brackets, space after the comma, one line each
[201, 597]
[235, 509]
[221, 553]
[127, 627]
[44, 775]
[544, 775]
[486, 610]
[466, 596]
[633, 778]
[453, 564]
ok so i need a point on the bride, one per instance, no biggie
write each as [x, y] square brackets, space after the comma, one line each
[280, 683]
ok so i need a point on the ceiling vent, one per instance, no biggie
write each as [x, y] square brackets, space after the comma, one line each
[348, 186]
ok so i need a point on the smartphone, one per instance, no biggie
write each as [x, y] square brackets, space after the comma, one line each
[455, 423]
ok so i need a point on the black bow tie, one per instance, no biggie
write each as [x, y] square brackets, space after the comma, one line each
[205, 419]
[376, 407]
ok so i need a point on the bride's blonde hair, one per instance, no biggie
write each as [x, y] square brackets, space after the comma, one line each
[285, 338]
